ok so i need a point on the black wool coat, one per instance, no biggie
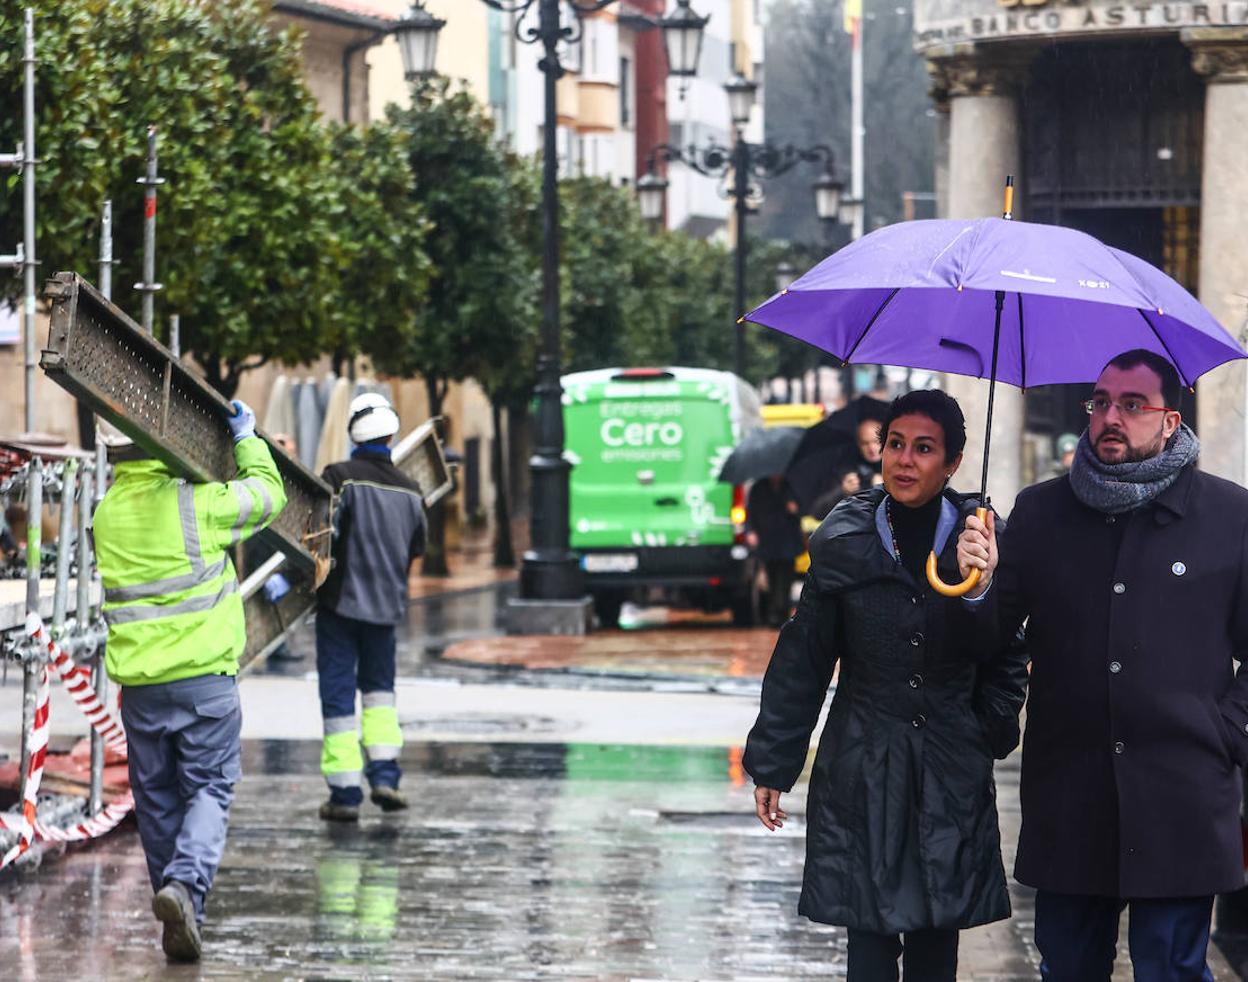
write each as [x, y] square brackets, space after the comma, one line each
[901, 818]
[1137, 723]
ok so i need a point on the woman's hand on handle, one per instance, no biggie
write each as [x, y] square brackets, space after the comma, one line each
[767, 808]
[977, 549]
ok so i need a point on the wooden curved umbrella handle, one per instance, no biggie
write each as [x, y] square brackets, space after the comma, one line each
[958, 589]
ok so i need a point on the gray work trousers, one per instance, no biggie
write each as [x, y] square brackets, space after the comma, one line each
[185, 756]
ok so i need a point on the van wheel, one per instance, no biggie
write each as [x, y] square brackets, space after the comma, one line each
[607, 609]
[746, 605]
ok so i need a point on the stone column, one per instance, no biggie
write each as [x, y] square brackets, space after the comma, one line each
[939, 92]
[1221, 55]
[984, 147]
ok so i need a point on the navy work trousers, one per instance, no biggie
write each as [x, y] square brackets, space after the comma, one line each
[353, 654]
[185, 757]
[1077, 937]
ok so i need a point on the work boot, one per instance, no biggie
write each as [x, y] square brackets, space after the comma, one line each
[388, 799]
[336, 811]
[174, 908]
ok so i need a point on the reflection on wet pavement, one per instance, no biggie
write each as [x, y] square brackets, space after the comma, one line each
[726, 652]
[518, 861]
[458, 636]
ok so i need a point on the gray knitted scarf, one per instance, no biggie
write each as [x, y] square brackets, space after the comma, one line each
[1117, 488]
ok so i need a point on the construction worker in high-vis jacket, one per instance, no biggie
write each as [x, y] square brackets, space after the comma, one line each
[175, 634]
[379, 528]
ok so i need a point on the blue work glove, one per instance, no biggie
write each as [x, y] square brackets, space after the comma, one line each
[243, 422]
[276, 587]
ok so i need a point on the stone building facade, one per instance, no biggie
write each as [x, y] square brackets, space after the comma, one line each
[1126, 120]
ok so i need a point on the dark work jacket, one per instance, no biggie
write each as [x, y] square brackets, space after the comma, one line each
[901, 817]
[379, 528]
[1137, 724]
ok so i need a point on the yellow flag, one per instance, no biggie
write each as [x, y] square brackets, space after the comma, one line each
[852, 15]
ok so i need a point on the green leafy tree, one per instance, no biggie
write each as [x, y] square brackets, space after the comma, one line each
[247, 245]
[504, 352]
[463, 182]
[384, 272]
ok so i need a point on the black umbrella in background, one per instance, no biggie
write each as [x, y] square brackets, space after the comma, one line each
[829, 450]
[761, 453]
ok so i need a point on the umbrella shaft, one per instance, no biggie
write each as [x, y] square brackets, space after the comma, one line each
[992, 395]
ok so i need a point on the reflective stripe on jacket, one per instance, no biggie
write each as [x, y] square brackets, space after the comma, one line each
[170, 591]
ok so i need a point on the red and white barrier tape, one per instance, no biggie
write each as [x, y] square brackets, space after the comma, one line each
[37, 742]
[78, 681]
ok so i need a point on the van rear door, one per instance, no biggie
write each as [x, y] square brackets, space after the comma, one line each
[646, 452]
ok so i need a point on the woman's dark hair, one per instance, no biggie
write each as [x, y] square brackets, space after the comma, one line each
[937, 406]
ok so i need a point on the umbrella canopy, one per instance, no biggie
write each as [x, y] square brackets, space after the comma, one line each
[995, 298]
[828, 450]
[761, 453]
[922, 294]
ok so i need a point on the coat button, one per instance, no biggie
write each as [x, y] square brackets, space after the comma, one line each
[916, 680]
[915, 599]
[1119, 747]
[1115, 667]
[919, 722]
[1120, 588]
[1246, 727]
[1110, 519]
[917, 640]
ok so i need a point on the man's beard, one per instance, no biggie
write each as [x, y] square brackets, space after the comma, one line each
[1133, 454]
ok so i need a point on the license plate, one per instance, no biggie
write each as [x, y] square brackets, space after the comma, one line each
[605, 562]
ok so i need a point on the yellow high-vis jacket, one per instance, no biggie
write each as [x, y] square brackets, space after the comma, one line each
[171, 596]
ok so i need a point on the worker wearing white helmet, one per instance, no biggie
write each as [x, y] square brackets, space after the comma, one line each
[379, 528]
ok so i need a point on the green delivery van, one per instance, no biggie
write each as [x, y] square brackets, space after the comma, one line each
[649, 517]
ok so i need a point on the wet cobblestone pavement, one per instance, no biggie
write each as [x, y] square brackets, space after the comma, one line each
[634, 856]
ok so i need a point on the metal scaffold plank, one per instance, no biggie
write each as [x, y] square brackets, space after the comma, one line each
[105, 360]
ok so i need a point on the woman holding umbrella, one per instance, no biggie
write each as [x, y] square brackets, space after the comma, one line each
[902, 844]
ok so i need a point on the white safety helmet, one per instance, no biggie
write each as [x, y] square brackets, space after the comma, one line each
[372, 418]
[110, 436]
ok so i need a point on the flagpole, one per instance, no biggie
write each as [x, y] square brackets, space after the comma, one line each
[854, 24]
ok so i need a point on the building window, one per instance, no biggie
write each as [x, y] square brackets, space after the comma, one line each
[626, 93]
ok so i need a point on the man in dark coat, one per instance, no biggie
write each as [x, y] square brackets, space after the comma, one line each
[1132, 573]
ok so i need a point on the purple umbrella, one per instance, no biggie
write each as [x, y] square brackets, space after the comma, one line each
[993, 298]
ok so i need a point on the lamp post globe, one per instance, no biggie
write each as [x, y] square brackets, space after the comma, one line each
[741, 96]
[850, 209]
[417, 34]
[786, 273]
[828, 192]
[651, 196]
[683, 31]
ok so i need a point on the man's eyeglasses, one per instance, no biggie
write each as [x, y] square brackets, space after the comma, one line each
[1128, 407]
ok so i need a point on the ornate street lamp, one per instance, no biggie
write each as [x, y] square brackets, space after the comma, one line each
[683, 31]
[742, 93]
[850, 209]
[828, 192]
[551, 571]
[747, 163]
[417, 35]
[786, 273]
[651, 196]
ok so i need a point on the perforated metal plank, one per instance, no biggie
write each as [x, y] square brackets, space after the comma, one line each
[105, 360]
[419, 456]
[269, 624]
